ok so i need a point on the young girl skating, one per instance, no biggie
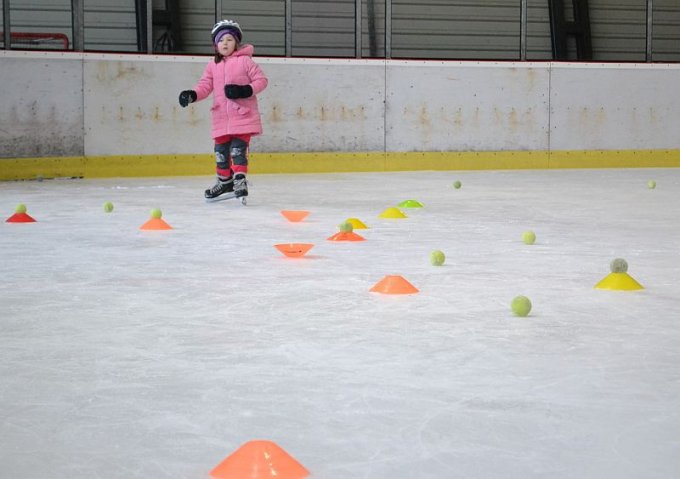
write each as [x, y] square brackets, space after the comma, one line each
[234, 79]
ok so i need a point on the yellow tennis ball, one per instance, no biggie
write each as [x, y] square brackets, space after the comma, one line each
[521, 306]
[21, 208]
[437, 258]
[108, 207]
[457, 184]
[156, 213]
[346, 227]
[651, 184]
[618, 265]
[529, 237]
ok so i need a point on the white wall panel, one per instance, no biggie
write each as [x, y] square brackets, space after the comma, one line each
[131, 106]
[310, 105]
[57, 104]
[323, 105]
[457, 106]
[42, 105]
[614, 106]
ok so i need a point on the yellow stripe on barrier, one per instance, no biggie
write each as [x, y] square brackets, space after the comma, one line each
[329, 162]
[615, 159]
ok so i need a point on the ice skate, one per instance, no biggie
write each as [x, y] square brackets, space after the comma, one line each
[240, 187]
[223, 187]
[228, 191]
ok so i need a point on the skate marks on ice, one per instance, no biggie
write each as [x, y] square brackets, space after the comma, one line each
[138, 360]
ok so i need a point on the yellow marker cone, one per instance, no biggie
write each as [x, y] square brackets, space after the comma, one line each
[392, 212]
[356, 223]
[619, 282]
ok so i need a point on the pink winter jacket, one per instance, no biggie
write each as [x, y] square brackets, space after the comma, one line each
[233, 117]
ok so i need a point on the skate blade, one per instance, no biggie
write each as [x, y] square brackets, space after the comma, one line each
[227, 196]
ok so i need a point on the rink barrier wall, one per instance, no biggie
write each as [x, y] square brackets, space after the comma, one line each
[98, 115]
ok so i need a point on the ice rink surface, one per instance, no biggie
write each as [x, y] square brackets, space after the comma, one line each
[155, 354]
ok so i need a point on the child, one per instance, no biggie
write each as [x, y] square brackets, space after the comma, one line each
[234, 79]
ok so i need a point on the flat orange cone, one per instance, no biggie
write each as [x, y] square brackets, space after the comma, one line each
[259, 460]
[20, 218]
[294, 216]
[394, 285]
[294, 250]
[346, 236]
[155, 224]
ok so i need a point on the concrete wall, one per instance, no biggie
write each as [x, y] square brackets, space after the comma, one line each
[614, 106]
[467, 106]
[69, 104]
[42, 105]
[130, 106]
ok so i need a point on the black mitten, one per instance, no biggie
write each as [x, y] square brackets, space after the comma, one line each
[186, 97]
[238, 91]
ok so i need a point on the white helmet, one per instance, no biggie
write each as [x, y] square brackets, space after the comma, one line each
[229, 26]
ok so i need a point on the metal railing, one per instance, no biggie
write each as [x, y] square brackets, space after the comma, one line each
[144, 13]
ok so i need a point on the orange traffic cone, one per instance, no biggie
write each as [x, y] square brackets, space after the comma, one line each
[394, 285]
[259, 460]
